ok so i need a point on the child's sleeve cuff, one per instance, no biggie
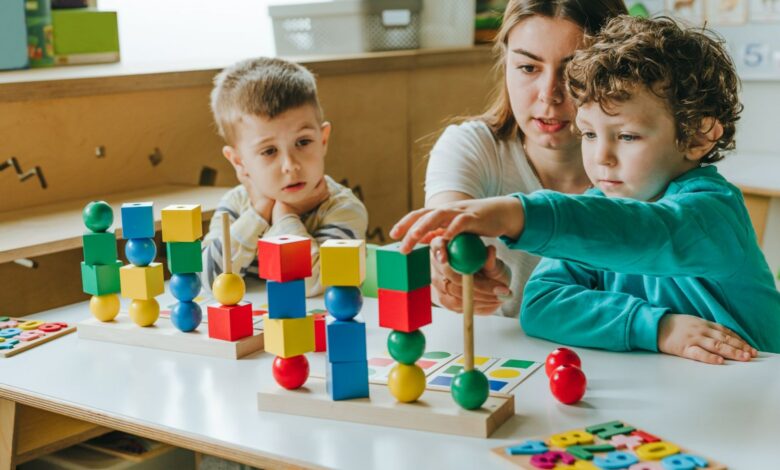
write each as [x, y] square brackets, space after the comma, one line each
[539, 223]
[643, 327]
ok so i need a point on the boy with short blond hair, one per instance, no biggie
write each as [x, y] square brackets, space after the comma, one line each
[660, 255]
[268, 112]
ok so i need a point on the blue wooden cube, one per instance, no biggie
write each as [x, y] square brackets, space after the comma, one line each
[286, 299]
[137, 220]
[346, 341]
[345, 380]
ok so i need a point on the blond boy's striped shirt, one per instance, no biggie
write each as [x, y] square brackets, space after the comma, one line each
[341, 216]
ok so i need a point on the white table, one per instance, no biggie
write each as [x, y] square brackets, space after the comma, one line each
[729, 413]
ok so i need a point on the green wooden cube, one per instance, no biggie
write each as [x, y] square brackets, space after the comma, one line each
[100, 279]
[399, 272]
[369, 287]
[184, 257]
[99, 247]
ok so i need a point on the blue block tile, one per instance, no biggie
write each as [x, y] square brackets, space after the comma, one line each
[442, 380]
[137, 220]
[286, 299]
[345, 380]
[346, 341]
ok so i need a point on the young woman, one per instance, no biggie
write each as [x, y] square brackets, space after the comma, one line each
[525, 141]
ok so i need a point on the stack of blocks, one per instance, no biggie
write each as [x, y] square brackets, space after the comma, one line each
[142, 279]
[404, 293]
[285, 262]
[182, 227]
[231, 319]
[343, 269]
[100, 268]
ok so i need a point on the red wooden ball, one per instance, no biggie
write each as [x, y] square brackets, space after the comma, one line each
[560, 357]
[292, 372]
[567, 384]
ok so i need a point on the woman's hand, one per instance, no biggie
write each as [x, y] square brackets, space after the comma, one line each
[490, 217]
[490, 284]
[701, 340]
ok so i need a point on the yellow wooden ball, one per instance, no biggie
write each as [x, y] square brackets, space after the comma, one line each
[228, 289]
[144, 312]
[406, 382]
[104, 307]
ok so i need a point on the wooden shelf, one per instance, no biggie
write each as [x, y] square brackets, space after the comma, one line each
[52, 228]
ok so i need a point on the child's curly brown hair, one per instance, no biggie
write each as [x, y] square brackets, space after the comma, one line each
[689, 68]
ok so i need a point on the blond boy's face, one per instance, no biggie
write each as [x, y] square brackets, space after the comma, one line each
[632, 153]
[283, 157]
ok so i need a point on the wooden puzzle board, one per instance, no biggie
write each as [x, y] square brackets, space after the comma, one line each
[163, 335]
[435, 411]
[524, 461]
[440, 367]
[19, 346]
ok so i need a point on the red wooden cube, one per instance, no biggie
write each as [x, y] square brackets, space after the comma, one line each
[319, 333]
[284, 258]
[405, 311]
[230, 322]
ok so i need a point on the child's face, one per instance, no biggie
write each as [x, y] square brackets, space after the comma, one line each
[632, 153]
[283, 157]
[538, 49]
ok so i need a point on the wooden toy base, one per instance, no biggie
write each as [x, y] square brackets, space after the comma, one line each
[524, 461]
[163, 335]
[435, 411]
[27, 345]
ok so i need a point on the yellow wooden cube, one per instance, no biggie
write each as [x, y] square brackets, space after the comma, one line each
[182, 223]
[141, 282]
[343, 262]
[288, 337]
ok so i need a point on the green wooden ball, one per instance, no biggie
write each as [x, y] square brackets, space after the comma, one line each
[467, 253]
[470, 389]
[98, 216]
[406, 348]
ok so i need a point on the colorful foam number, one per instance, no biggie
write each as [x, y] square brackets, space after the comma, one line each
[52, 327]
[578, 465]
[683, 462]
[530, 447]
[8, 343]
[622, 441]
[656, 450]
[571, 438]
[10, 332]
[586, 452]
[645, 436]
[607, 430]
[615, 460]
[550, 459]
[647, 466]
[31, 335]
[30, 325]
[8, 324]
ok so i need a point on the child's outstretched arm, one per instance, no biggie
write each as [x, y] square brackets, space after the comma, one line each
[563, 302]
[489, 217]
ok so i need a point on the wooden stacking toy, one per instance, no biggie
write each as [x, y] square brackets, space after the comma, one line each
[142, 280]
[404, 292]
[100, 268]
[467, 254]
[285, 262]
[182, 227]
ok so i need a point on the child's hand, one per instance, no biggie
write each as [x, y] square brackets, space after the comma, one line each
[490, 284]
[701, 340]
[490, 217]
[317, 196]
[261, 204]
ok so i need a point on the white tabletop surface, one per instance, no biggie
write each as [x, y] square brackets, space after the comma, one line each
[729, 413]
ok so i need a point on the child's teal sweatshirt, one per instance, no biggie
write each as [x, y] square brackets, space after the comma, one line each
[615, 266]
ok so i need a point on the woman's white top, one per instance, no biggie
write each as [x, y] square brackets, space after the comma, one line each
[469, 159]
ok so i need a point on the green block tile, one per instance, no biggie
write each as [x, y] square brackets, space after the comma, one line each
[99, 248]
[369, 287]
[517, 364]
[100, 279]
[400, 272]
[184, 257]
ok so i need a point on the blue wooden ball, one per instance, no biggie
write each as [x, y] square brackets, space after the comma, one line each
[186, 316]
[343, 302]
[185, 287]
[140, 251]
